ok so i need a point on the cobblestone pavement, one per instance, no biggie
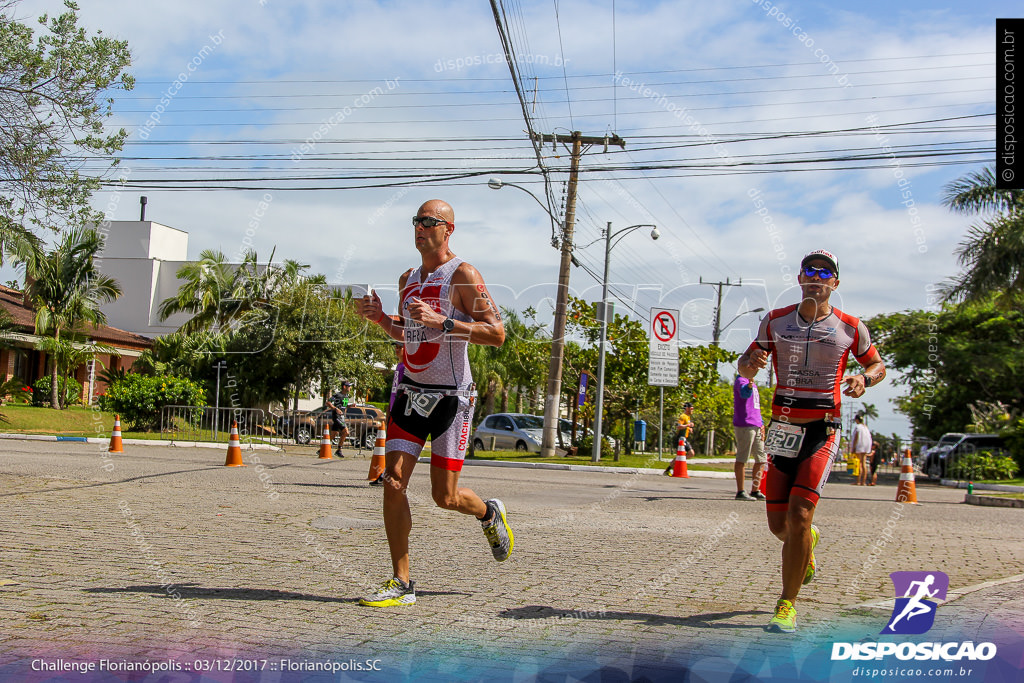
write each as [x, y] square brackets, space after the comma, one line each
[162, 553]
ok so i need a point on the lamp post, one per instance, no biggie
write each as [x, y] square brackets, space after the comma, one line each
[554, 383]
[599, 404]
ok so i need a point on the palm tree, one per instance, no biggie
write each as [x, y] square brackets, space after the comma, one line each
[992, 254]
[212, 293]
[869, 411]
[66, 289]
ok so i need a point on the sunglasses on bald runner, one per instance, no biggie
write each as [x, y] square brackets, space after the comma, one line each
[428, 221]
[822, 273]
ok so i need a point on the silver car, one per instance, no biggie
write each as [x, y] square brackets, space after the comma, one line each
[509, 431]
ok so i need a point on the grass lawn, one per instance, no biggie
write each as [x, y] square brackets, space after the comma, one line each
[74, 421]
[993, 494]
[649, 460]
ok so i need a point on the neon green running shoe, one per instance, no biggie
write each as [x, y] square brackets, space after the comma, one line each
[392, 593]
[498, 532]
[784, 620]
[811, 567]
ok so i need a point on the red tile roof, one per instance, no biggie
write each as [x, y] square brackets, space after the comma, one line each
[13, 301]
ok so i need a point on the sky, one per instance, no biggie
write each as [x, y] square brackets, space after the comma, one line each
[754, 133]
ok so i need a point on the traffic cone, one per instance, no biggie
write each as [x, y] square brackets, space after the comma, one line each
[906, 491]
[325, 444]
[234, 458]
[679, 464]
[377, 461]
[115, 437]
[763, 486]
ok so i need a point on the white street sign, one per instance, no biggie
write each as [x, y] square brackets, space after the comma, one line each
[663, 366]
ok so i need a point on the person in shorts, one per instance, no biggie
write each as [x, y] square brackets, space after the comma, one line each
[749, 427]
[337, 403]
[808, 344]
[444, 306]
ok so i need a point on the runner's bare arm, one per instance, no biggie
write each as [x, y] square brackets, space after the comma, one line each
[370, 307]
[472, 298]
[874, 372]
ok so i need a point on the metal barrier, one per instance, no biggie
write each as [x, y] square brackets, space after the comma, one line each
[206, 423]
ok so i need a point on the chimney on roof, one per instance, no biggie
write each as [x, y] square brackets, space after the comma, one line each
[142, 213]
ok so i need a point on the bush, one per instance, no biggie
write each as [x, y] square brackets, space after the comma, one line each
[586, 447]
[16, 391]
[983, 465]
[72, 391]
[138, 399]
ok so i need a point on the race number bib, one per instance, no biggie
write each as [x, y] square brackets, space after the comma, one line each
[423, 403]
[784, 439]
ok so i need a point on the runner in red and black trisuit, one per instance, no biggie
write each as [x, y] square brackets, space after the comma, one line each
[809, 344]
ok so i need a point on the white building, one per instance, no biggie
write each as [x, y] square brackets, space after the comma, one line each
[144, 258]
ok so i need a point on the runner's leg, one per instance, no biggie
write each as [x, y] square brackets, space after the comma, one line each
[444, 487]
[397, 516]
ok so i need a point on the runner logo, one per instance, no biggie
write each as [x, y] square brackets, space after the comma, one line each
[914, 612]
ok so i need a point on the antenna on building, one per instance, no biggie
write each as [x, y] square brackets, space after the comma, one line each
[142, 212]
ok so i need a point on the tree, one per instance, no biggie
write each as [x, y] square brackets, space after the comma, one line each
[53, 103]
[868, 411]
[952, 358]
[213, 293]
[66, 289]
[992, 254]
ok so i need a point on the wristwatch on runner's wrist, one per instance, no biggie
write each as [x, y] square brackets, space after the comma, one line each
[448, 325]
[867, 380]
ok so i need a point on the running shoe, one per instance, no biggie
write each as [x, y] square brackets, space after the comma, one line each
[757, 495]
[811, 568]
[743, 495]
[497, 531]
[379, 481]
[784, 620]
[392, 593]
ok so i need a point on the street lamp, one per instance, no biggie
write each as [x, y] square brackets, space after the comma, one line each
[554, 384]
[608, 244]
[718, 332]
[498, 183]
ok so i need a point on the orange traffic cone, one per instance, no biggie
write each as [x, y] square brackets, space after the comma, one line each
[763, 486]
[325, 444]
[115, 437]
[679, 464]
[377, 461]
[906, 491]
[234, 458]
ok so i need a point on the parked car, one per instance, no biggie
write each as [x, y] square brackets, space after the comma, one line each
[508, 431]
[565, 426]
[296, 424]
[521, 432]
[944, 455]
[362, 422]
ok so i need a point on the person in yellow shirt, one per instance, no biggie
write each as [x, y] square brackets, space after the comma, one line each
[684, 428]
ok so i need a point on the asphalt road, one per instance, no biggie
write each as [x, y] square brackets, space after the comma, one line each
[162, 553]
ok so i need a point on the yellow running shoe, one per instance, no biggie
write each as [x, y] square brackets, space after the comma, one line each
[392, 593]
[784, 620]
[498, 532]
[811, 567]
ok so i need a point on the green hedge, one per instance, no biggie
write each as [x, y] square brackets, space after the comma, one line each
[72, 391]
[139, 398]
[983, 465]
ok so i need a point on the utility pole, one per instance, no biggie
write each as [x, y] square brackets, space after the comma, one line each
[716, 333]
[554, 388]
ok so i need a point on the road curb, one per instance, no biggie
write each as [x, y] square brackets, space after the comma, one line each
[992, 501]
